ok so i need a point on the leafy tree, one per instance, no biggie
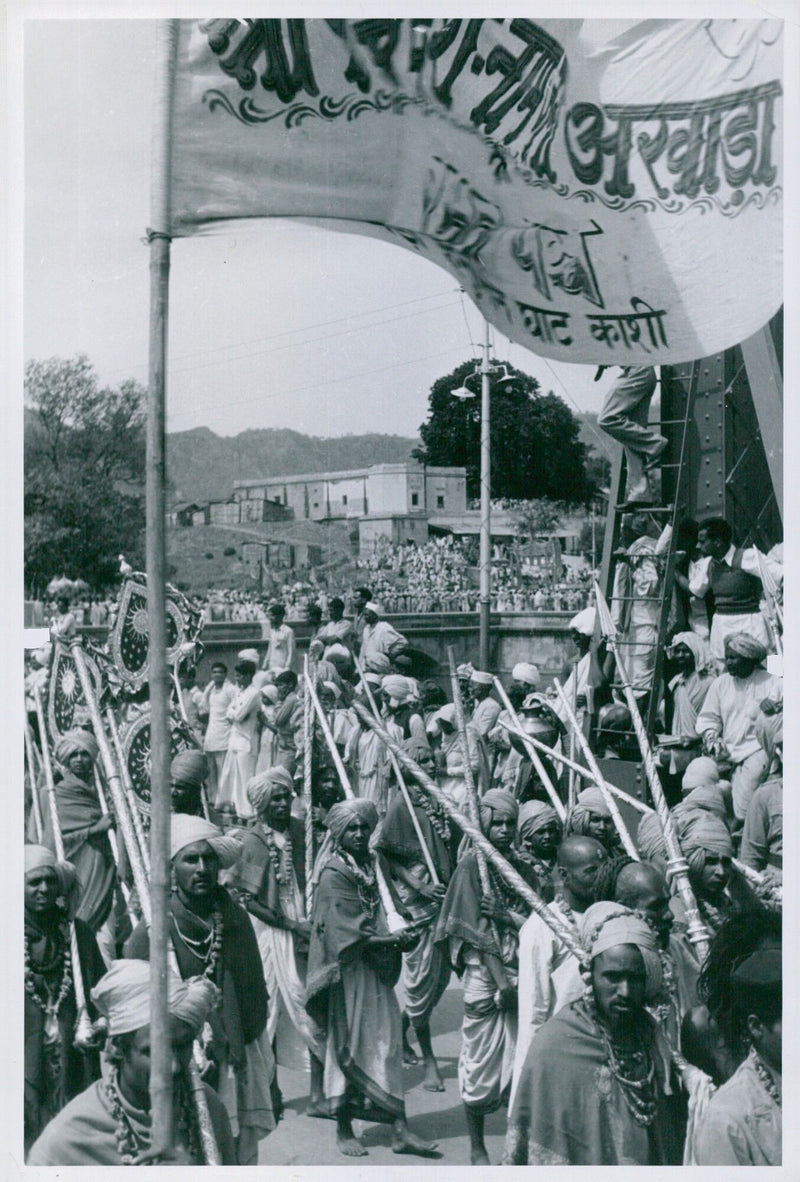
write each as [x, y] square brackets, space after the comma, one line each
[84, 473]
[536, 451]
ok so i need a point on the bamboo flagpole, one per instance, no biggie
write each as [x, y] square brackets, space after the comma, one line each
[84, 1034]
[426, 853]
[112, 837]
[308, 731]
[394, 919]
[677, 864]
[517, 729]
[158, 237]
[613, 808]
[127, 786]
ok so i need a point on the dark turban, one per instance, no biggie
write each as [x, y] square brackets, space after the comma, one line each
[189, 767]
[77, 740]
[700, 834]
[497, 803]
[745, 646]
[535, 815]
[341, 814]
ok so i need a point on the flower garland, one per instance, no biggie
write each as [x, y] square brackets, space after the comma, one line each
[366, 882]
[129, 1145]
[562, 904]
[504, 892]
[279, 858]
[634, 1070]
[435, 814]
[49, 1006]
[767, 1079]
[212, 954]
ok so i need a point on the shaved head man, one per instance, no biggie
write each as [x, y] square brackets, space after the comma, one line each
[579, 859]
[642, 887]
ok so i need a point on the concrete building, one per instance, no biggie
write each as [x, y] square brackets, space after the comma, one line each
[381, 491]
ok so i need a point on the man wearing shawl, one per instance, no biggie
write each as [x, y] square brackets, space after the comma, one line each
[285, 720]
[426, 970]
[242, 754]
[55, 1069]
[485, 709]
[743, 1125]
[450, 761]
[540, 832]
[212, 937]
[109, 1123]
[271, 877]
[368, 759]
[730, 712]
[338, 630]
[597, 1086]
[380, 642]
[549, 975]
[686, 693]
[353, 966]
[188, 772]
[84, 830]
[482, 935]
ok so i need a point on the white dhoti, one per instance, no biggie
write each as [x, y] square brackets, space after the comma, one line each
[488, 1041]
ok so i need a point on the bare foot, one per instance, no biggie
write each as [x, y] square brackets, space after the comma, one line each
[479, 1157]
[409, 1056]
[317, 1108]
[408, 1142]
[433, 1081]
[350, 1146]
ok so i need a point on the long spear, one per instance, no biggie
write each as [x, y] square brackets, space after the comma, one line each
[555, 799]
[482, 844]
[395, 921]
[426, 853]
[83, 1027]
[621, 827]
[308, 722]
[678, 865]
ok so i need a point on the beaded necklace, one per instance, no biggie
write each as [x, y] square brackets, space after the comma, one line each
[366, 882]
[435, 814]
[129, 1144]
[771, 1087]
[48, 1004]
[504, 892]
[281, 859]
[212, 953]
[562, 904]
[633, 1070]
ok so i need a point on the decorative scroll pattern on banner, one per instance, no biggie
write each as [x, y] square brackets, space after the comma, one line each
[129, 639]
[66, 704]
[135, 740]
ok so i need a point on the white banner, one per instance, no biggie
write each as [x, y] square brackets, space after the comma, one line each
[606, 191]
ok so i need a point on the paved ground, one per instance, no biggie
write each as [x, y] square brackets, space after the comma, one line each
[301, 1140]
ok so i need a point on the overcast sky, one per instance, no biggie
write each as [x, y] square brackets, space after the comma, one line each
[272, 324]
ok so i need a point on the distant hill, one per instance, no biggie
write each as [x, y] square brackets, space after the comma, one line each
[202, 466]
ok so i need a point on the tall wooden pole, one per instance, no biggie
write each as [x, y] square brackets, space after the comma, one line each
[486, 508]
[159, 240]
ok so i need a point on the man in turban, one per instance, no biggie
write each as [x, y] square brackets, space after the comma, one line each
[730, 712]
[338, 630]
[379, 641]
[597, 1087]
[482, 936]
[526, 675]
[540, 831]
[742, 1125]
[84, 831]
[212, 937]
[109, 1123]
[55, 1068]
[576, 681]
[188, 772]
[450, 759]
[707, 846]
[271, 879]
[426, 969]
[285, 720]
[685, 694]
[485, 709]
[549, 976]
[353, 966]
[590, 816]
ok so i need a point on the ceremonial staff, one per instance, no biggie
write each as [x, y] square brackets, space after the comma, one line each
[308, 735]
[426, 853]
[84, 1032]
[555, 799]
[625, 836]
[395, 921]
[677, 864]
[130, 796]
[35, 806]
[472, 791]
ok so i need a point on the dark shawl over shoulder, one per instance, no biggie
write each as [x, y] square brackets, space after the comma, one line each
[255, 872]
[460, 920]
[339, 925]
[244, 994]
[78, 809]
[398, 838]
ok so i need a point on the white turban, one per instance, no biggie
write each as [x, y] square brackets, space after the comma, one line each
[123, 997]
[526, 673]
[375, 608]
[186, 830]
[248, 654]
[478, 677]
[584, 622]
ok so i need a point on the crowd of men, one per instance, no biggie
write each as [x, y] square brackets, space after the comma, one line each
[610, 1032]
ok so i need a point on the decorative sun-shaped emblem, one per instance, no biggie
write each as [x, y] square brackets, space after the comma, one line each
[69, 684]
[139, 621]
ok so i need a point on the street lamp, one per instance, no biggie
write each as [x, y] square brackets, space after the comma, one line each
[485, 552]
